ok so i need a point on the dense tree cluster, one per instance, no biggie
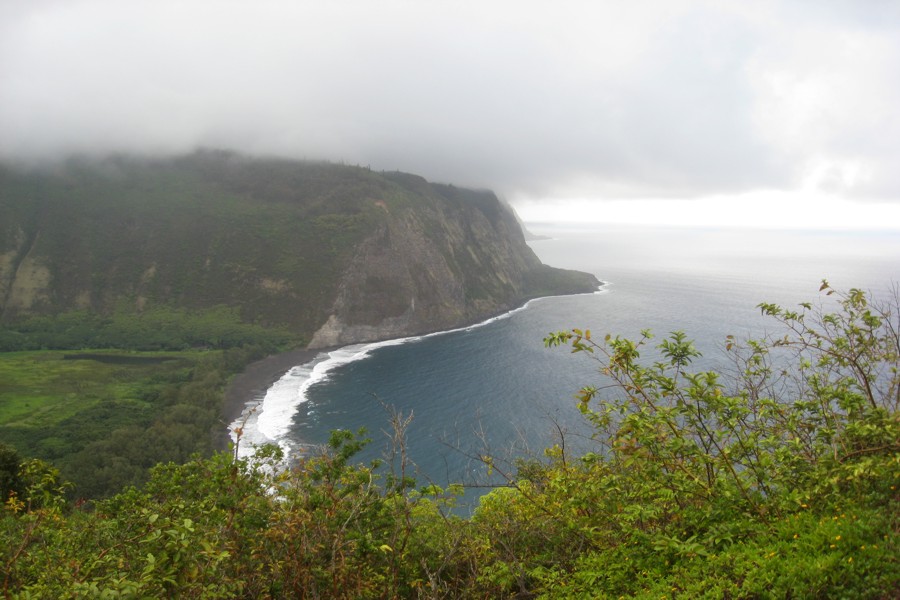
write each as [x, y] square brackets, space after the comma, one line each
[161, 328]
[778, 481]
[183, 421]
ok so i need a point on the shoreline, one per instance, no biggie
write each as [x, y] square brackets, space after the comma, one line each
[255, 380]
[252, 384]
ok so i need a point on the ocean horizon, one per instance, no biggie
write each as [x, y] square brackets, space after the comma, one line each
[494, 389]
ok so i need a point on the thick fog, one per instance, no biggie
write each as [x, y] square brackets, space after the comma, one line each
[567, 100]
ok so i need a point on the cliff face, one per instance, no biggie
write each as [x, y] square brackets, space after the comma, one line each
[455, 258]
[336, 254]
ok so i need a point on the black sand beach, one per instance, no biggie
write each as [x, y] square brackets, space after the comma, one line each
[253, 383]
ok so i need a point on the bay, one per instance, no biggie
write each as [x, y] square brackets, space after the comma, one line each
[496, 390]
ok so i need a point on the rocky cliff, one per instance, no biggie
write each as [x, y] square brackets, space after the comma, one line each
[336, 254]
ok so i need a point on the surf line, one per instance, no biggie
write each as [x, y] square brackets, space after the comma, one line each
[268, 420]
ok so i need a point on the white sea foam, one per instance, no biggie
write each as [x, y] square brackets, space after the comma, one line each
[268, 421]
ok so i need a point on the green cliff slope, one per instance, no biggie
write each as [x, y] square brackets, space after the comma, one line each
[334, 254]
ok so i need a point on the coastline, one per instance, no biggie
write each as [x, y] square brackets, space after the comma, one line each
[253, 383]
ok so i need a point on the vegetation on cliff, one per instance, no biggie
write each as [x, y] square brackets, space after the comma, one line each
[778, 480]
[284, 244]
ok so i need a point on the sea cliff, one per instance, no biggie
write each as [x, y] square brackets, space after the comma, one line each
[334, 254]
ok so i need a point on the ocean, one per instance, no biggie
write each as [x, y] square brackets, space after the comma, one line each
[494, 389]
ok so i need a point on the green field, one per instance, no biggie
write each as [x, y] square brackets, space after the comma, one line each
[103, 417]
[44, 389]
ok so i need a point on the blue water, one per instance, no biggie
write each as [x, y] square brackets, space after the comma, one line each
[497, 390]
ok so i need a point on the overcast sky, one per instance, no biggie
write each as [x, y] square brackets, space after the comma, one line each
[559, 106]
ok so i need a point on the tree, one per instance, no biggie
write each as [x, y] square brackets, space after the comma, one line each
[10, 479]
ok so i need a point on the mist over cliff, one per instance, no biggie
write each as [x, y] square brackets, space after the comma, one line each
[333, 253]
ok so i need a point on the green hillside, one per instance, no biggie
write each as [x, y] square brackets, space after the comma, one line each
[272, 239]
[192, 233]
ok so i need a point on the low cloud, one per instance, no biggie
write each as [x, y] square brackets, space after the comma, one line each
[569, 99]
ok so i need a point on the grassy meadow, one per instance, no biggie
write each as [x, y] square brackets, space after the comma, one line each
[42, 393]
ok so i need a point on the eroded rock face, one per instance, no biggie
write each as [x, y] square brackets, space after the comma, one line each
[440, 266]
